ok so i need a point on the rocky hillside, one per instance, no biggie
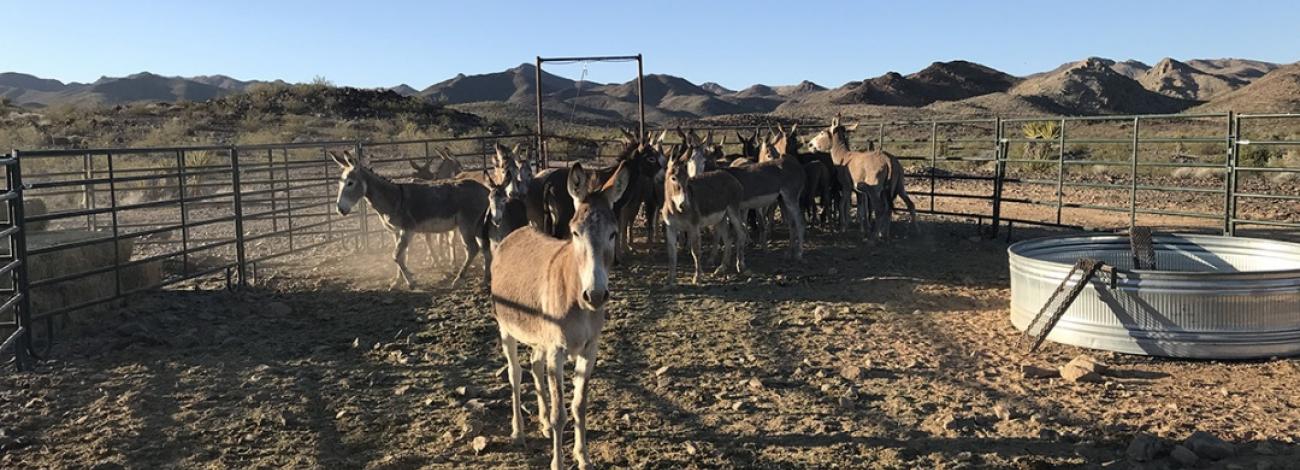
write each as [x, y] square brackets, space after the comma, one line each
[941, 81]
[515, 84]
[1276, 92]
[273, 113]
[1172, 78]
[1093, 87]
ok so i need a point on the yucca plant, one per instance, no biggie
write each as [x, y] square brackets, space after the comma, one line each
[1046, 131]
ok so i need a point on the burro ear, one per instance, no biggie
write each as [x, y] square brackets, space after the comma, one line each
[352, 159]
[515, 150]
[659, 140]
[851, 127]
[419, 167]
[577, 183]
[794, 128]
[341, 160]
[613, 189]
[627, 135]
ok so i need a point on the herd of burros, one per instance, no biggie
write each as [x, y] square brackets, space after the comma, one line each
[550, 236]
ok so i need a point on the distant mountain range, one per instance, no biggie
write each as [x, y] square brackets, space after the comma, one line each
[30, 91]
[1090, 86]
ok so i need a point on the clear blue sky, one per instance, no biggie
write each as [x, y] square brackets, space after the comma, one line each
[736, 43]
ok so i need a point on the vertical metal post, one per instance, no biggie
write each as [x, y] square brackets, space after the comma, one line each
[999, 156]
[88, 190]
[117, 244]
[640, 96]
[880, 134]
[270, 173]
[365, 207]
[541, 130]
[237, 190]
[185, 226]
[934, 159]
[288, 195]
[329, 216]
[1133, 174]
[18, 251]
[1060, 172]
[1230, 176]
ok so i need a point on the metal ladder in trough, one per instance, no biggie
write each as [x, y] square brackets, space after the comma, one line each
[1144, 257]
[1084, 269]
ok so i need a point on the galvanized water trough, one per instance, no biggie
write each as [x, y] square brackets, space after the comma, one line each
[1211, 297]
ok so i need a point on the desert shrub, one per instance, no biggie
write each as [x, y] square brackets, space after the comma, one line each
[21, 137]
[1254, 156]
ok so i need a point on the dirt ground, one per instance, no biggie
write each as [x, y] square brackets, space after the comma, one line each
[896, 356]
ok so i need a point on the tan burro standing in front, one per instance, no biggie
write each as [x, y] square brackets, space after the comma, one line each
[550, 294]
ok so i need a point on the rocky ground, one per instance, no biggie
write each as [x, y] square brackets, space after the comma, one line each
[897, 356]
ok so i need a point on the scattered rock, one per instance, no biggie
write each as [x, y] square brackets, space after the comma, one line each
[470, 425]
[466, 391]
[690, 448]
[478, 444]
[846, 402]
[1076, 373]
[662, 370]
[1209, 446]
[851, 373]
[1144, 448]
[1184, 456]
[755, 384]
[1035, 372]
[820, 313]
[1002, 411]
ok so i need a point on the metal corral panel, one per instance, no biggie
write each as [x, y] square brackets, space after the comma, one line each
[1212, 297]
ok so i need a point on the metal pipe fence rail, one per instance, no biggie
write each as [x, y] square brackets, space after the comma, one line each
[116, 222]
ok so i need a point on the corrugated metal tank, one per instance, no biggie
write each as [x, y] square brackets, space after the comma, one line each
[1211, 297]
